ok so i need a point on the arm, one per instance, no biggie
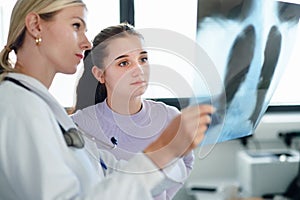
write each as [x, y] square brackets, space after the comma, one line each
[183, 134]
[190, 127]
[37, 164]
[188, 161]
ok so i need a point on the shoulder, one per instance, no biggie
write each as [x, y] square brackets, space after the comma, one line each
[86, 119]
[86, 114]
[15, 99]
[24, 112]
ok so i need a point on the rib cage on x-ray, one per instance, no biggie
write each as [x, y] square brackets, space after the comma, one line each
[249, 42]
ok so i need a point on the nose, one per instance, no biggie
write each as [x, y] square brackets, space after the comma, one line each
[137, 69]
[86, 44]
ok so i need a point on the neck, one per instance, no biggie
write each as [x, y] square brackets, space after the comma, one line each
[125, 107]
[30, 62]
[44, 77]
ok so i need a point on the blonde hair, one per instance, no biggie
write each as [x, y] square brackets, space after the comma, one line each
[45, 8]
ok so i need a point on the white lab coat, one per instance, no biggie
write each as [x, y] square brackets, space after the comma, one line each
[35, 162]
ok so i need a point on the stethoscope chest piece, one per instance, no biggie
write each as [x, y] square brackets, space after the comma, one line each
[73, 138]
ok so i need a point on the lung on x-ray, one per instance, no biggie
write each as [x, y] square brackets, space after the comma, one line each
[249, 42]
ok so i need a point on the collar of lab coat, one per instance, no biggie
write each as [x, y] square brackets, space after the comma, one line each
[39, 89]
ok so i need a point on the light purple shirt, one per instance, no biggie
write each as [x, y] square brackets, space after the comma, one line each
[133, 132]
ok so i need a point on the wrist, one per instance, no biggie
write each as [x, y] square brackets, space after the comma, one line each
[159, 153]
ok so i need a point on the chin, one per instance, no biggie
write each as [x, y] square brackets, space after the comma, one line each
[69, 71]
[139, 92]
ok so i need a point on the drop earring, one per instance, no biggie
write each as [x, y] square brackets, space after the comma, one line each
[38, 41]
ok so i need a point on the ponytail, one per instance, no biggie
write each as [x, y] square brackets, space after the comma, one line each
[5, 63]
[101, 93]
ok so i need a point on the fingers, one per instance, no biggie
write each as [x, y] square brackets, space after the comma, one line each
[205, 119]
[206, 109]
[196, 120]
[183, 134]
[198, 117]
[198, 111]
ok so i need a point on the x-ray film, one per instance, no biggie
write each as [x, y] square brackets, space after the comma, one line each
[250, 43]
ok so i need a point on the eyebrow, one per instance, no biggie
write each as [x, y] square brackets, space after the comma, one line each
[123, 56]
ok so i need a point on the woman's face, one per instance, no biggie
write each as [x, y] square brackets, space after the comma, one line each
[127, 70]
[64, 39]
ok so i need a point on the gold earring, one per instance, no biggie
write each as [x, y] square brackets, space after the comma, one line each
[38, 41]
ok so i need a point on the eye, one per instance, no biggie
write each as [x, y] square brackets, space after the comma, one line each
[123, 63]
[144, 59]
[76, 26]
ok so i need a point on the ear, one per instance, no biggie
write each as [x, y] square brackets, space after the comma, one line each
[33, 24]
[98, 74]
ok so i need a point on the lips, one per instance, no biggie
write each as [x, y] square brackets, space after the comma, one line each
[138, 83]
[79, 55]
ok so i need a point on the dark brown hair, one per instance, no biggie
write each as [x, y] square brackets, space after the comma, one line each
[95, 57]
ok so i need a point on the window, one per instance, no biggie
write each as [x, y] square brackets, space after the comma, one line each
[171, 73]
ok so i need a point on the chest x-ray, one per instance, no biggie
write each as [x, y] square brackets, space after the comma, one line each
[250, 42]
